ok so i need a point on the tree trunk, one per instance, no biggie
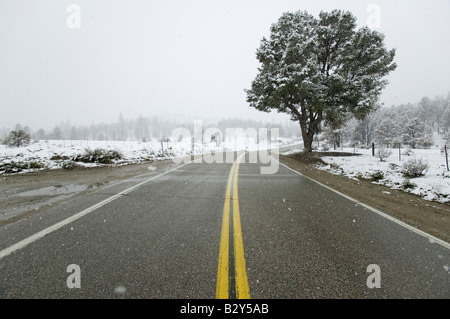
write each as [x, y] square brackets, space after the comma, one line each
[307, 138]
[307, 143]
[306, 129]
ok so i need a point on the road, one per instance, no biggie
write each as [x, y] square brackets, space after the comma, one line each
[219, 231]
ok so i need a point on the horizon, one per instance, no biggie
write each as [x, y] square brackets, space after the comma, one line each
[183, 60]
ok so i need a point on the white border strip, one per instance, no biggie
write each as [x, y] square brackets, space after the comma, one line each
[21, 244]
[417, 231]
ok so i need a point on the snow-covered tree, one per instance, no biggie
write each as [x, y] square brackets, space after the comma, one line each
[320, 71]
[40, 134]
[426, 110]
[121, 128]
[57, 133]
[333, 136]
[73, 134]
[18, 137]
[415, 135]
[363, 131]
[386, 132]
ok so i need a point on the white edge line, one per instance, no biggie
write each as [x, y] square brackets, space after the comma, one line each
[21, 244]
[418, 231]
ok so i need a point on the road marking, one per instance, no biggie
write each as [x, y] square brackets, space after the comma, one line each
[242, 290]
[222, 272]
[21, 244]
[430, 237]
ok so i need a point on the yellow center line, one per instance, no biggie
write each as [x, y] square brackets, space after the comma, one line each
[242, 289]
[222, 273]
[241, 281]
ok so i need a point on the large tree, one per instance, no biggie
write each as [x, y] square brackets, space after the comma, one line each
[320, 71]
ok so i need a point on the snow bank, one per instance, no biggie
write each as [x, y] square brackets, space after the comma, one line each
[433, 186]
[55, 154]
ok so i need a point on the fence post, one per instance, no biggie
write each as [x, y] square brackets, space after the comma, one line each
[446, 156]
[373, 149]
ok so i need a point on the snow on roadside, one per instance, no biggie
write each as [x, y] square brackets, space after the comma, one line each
[433, 186]
[55, 154]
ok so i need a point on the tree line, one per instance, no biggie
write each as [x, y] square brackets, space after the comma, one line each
[135, 129]
[408, 125]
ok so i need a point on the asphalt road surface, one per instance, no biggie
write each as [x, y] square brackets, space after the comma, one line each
[219, 231]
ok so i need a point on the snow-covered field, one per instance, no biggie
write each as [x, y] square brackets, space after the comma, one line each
[433, 186]
[56, 154]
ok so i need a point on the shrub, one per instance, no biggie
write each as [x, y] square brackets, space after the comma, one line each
[69, 165]
[377, 176]
[393, 166]
[12, 167]
[98, 155]
[58, 157]
[35, 165]
[325, 148]
[383, 154]
[408, 151]
[414, 168]
[408, 185]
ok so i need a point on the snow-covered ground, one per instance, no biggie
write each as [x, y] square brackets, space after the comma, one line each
[433, 186]
[56, 154]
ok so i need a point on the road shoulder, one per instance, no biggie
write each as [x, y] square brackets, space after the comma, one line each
[430, 217]
[23, 195]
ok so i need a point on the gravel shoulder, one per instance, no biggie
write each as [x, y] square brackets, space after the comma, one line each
[430, 217]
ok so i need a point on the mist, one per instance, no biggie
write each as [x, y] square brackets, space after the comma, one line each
[182, 60]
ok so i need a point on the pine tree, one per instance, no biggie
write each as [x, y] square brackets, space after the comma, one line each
[386, 132]
[415, 135]
[320, 71]
[18, 137]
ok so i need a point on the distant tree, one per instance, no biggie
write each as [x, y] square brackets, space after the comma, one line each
[320, 71]
[73, 134]
[386, 132]
[415, 135]
[141, 130]
[445, 119]
[17, 137]
[333, 136]
[121, 126]
[57, 133]
[40, 134]
[363, 131]
[425, 110]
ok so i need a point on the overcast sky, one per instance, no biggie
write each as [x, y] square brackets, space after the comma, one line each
[176, 58]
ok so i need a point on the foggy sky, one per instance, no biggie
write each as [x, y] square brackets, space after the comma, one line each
[182, 59]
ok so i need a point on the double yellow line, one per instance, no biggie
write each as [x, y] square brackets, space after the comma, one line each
[226, 288]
